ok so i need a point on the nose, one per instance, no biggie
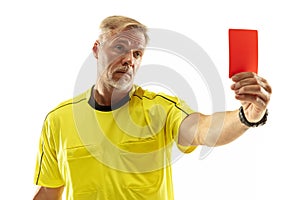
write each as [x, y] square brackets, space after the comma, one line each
[128, 59]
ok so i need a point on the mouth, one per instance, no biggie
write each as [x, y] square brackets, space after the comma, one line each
[124, 70]
[122, 73]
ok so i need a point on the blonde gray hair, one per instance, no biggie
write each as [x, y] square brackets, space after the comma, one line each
[114, 24]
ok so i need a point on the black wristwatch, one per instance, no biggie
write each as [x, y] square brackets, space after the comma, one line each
[251, 124]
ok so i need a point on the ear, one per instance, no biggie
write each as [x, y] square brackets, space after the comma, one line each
[96, 49]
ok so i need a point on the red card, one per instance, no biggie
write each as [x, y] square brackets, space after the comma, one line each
[243, 51]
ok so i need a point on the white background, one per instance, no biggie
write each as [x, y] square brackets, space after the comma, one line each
[43, 45]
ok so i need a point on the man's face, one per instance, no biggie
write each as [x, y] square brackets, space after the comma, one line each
[119, 57]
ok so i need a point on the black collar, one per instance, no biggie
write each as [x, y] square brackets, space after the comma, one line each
[93, 103]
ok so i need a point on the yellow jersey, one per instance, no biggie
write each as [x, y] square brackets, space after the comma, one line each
[111, 152]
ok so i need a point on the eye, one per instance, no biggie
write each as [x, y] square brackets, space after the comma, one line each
[119, 48]
[137, 54]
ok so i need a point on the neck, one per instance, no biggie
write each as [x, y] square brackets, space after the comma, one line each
[108, 95]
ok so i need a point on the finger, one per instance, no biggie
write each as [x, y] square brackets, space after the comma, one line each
[266, 86]
[244, 82]
[252, 81]
[264, 83]
[249, 75]
[255, 100]
[254, 90]
[239, 76]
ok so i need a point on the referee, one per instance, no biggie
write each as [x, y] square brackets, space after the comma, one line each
[114, 141]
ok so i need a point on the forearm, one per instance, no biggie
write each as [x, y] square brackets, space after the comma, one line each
[215, 130]
[211, 130]
[44, 193]
[221, 128]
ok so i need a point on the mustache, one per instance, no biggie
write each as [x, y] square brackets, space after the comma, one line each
[124, 69]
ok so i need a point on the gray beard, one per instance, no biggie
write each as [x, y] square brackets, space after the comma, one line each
[121, 84]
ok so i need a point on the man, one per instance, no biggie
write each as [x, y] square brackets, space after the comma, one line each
[114, 141]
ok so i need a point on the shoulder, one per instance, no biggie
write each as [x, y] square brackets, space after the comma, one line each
[144, 94]
[168, 101]
[66, 106]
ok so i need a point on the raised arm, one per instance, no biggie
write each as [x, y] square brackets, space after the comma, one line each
[224, 127]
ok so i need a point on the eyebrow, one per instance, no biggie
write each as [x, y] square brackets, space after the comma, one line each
[121, 40]
[128, 41]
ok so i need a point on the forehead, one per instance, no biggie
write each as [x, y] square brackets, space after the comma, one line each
[131, 37]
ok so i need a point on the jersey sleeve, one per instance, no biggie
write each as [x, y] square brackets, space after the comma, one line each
[47, 173]
[176, 116]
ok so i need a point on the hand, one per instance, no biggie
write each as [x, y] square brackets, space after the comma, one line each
[254, 94]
